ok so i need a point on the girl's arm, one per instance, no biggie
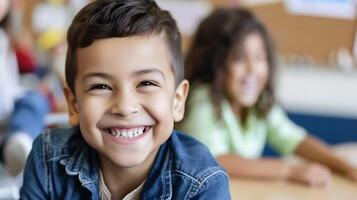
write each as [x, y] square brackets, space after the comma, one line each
[316, 151]
[267, 168]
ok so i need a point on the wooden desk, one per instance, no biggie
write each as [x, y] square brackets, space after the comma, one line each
[340, 189]
[247, 189]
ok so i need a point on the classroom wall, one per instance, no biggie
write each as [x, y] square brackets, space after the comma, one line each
[323, 101]
[311, 36]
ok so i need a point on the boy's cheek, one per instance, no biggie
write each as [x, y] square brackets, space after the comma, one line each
[161, 107]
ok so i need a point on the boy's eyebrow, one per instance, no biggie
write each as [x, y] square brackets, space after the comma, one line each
[148, 71]
[136, 73]
[96, 74]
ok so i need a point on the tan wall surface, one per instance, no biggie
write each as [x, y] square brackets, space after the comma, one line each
[306, 35]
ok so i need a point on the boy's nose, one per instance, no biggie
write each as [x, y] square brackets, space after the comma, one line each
[125, 105]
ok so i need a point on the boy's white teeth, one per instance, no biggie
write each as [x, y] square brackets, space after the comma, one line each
[127, 133]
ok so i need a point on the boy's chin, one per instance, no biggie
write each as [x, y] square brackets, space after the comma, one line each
[133, 160]
[129, 162]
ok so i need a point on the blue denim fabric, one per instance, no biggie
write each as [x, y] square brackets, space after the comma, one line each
[62, 166]
[28, 115]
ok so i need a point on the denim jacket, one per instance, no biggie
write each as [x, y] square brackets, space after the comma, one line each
[62, 165]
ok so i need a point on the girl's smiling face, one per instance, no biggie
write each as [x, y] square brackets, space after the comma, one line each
[247, 72]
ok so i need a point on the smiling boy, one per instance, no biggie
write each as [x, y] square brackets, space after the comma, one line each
[125, 90]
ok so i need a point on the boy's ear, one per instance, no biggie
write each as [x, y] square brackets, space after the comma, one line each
[180, 100]
[72, 107]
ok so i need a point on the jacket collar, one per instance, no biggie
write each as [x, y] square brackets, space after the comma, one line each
[83, 163]
[159, 177]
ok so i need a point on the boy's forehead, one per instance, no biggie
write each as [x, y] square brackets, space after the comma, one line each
[135, 52]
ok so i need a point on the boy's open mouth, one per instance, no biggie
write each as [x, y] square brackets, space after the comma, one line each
[127, 133]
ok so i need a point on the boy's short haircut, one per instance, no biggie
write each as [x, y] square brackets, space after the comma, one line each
[121, 18]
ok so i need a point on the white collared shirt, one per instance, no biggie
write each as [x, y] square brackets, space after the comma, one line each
[105, 193]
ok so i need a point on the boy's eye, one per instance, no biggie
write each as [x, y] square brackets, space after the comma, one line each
[100, 87]
[147, 83]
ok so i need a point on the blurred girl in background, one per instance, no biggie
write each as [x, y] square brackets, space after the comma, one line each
[232, 109]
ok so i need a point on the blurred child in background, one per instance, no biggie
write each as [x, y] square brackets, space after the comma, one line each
[232, 110]
[22, 112]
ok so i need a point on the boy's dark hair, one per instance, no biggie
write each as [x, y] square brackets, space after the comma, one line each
[121, 18]
[218, 35]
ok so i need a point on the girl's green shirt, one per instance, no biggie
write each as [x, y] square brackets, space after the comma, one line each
[227, 136]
